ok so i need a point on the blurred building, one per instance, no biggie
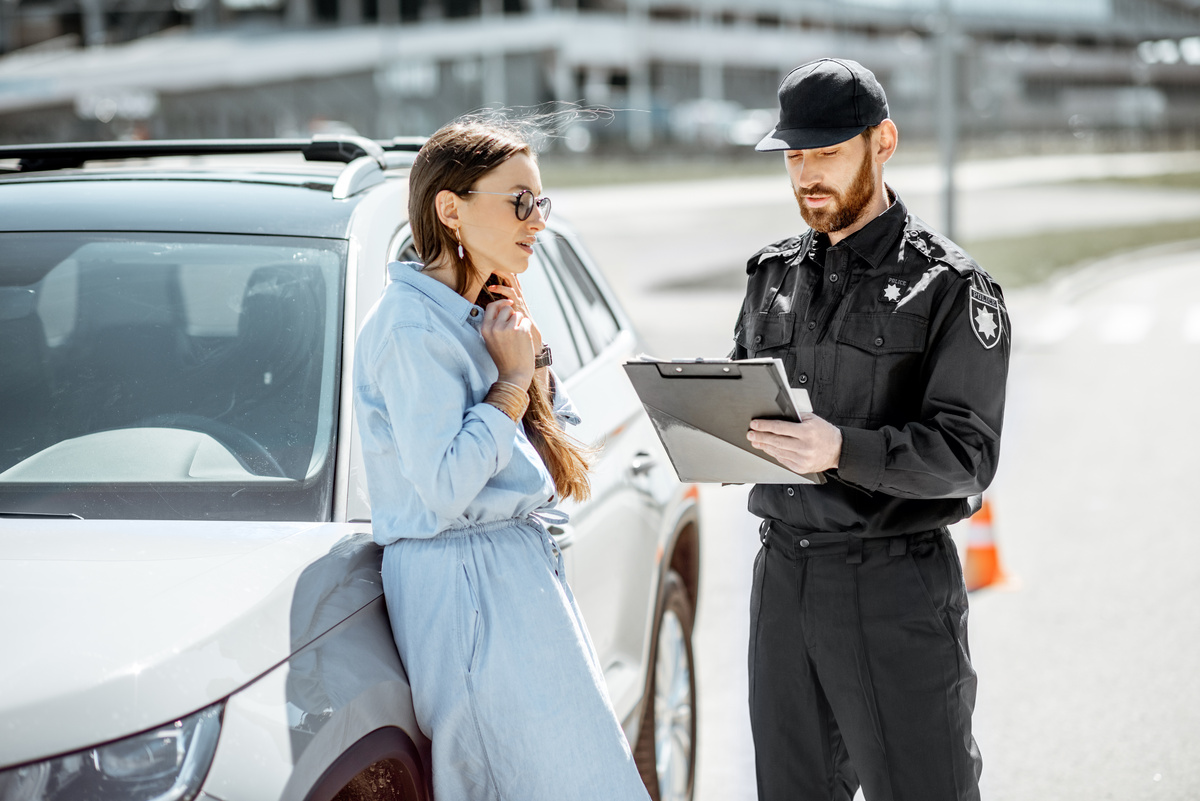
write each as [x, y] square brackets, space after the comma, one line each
[700, 73]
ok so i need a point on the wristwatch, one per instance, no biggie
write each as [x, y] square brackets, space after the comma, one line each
[543, 359]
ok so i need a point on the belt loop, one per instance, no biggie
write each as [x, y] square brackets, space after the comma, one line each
[764, 528]
[854, 550]
[898, 546]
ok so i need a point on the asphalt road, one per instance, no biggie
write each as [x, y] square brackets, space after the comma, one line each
[1087, 660]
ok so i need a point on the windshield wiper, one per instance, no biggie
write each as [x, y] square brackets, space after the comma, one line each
[42, 515]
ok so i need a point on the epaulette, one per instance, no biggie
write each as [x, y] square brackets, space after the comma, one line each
[936, 247]
[783, 249]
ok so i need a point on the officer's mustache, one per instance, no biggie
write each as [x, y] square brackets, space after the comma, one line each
[819, 189]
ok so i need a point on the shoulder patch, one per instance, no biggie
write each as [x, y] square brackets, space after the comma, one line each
[988, 317]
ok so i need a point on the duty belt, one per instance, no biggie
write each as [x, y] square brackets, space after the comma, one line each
[826, 543]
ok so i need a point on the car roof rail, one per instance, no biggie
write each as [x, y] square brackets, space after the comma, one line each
[406, 143]
[322, 147]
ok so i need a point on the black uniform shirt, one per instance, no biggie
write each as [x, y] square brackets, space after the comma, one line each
[902, 341]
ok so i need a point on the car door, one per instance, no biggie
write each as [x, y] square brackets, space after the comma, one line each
[612, 541]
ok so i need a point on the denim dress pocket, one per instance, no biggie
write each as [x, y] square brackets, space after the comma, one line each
[472, 620]
[879, 355]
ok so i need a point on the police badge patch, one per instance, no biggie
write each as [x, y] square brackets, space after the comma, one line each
[893, 291]
[985, 311]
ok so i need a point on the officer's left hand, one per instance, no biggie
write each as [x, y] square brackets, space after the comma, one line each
[810, 446]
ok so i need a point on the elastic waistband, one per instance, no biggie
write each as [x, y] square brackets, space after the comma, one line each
[538, 520]
[486, 528]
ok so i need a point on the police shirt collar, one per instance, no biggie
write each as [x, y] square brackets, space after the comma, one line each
[874, 240]
[413, 274]
[818, 243]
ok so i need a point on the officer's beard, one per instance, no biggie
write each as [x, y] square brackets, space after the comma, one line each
[846, 207]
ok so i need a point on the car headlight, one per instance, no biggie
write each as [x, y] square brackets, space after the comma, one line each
[166, 764]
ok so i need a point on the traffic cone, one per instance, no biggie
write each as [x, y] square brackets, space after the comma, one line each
[982, 567]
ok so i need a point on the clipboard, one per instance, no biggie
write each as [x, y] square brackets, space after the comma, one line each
[701, 411]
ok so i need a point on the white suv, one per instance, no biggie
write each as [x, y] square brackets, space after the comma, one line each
[190, 599]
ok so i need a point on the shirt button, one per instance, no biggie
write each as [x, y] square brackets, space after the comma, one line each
[812, 324]
[834, 278]
[878, 341]
[474, 312]
[758, 339]
[803, 543]
[803, 378]
[791, 491]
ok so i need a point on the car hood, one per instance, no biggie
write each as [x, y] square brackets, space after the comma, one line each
[114, 627]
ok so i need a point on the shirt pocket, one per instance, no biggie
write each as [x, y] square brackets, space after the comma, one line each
[766, 333]
[879, 358]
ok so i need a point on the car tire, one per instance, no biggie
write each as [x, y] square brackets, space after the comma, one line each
[666, 743]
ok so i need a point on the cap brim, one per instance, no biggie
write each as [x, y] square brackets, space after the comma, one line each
[807, 138]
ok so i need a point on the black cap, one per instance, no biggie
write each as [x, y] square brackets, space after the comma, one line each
[825, 102]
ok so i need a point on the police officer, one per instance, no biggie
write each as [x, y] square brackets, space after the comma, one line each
[860, 673]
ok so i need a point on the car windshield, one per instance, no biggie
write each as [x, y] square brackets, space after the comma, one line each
[168, 376]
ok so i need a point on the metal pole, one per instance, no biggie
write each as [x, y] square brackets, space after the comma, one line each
[95, 32]
[947, 108]
[350, 12]
[8, 38]
[388, 13]
[298, 13]
[641, 132]
[712, 66]
[387, 117]
[495, 79]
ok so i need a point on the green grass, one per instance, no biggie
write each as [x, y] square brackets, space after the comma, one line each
[1024, 260]
[1019, 261]
[1013, 261]
[1176, 180]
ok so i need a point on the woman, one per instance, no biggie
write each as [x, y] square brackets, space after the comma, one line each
[462, 434]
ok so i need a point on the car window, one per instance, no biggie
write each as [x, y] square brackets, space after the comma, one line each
[598, 319]
[169, 376]
[408, 253]
[546, 305]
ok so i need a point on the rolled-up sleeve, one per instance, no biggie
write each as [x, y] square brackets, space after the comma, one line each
[448, 446]
[560, 401]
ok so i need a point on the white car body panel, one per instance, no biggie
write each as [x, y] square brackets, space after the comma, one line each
[138, 627]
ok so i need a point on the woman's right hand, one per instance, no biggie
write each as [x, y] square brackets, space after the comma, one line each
[507, 333]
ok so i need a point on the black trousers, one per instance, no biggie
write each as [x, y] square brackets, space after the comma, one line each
[860, 670]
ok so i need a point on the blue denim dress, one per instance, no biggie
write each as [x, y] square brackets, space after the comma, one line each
[506, 683]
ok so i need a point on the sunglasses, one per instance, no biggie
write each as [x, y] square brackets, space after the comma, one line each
[526, 200]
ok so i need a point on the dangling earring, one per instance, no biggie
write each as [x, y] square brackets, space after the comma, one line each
[458, 236]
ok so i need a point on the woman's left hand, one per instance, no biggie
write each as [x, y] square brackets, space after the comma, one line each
[511, 289]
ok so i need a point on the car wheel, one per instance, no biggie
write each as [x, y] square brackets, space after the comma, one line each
[666, 744]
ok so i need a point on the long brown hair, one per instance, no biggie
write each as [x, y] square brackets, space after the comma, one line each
[455, 158]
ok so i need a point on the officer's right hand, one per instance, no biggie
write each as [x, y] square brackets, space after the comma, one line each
[811, 446]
